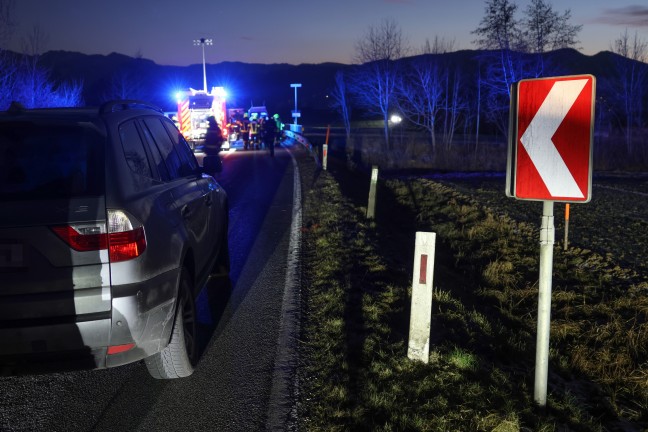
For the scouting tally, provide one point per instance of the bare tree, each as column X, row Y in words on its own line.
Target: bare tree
column 629, row 85
column 546, row 29
column 438, row 46
column 67, row 94
column 7, row 23
column 478, row 104
column 8, row 66
column 454, row 107
column 34, row 81
column 128, row 81
column 498, row 28
column 340, row 102
column 34, row 44
column 374, row 80
column 500, row 36
column 421, row 94
column 32, row 85
column 509, row 43
column 126, row 84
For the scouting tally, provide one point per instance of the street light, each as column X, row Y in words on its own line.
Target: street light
column 295, row 113
column 202, row 42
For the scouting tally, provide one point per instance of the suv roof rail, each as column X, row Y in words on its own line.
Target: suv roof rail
column 122, row 105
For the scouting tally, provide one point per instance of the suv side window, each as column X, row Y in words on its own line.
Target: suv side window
column 182, row 147
column 160, row 139
column 134, row 149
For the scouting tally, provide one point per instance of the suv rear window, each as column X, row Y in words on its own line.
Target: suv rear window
column 50, row 161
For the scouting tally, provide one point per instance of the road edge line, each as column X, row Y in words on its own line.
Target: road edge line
column 282, row 407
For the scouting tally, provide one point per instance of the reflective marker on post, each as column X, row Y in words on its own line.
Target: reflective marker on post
column 421, row 312
column 423, row 268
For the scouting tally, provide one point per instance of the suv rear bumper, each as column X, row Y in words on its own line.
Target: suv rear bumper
column 141, row 313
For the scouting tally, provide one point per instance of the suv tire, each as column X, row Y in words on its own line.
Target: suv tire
column 177, row 359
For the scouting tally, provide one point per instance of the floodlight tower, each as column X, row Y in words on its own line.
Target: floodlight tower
column 202, row 42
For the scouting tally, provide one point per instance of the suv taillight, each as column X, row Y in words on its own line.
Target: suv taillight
column 124, row 240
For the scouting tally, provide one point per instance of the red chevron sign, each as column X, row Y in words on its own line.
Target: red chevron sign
column 550, row 148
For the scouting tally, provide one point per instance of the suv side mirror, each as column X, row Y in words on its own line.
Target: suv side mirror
column 212, row 165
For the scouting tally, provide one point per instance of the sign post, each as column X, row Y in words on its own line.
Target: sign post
column 547, row 240
column 550, row 159
column 566, row 243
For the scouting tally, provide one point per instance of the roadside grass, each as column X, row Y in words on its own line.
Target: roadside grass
column 355, row 375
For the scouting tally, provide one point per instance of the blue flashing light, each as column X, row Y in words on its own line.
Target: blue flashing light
column 219, row 91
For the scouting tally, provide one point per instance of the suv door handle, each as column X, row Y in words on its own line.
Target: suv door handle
column 208, row 200
column 186, row 212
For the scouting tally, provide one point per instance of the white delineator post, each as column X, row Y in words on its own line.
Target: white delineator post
column 547, row 239
column 418, row 347
column 371, row 207
column 325, row 148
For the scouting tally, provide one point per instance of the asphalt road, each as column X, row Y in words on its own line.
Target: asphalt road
column 240, row 325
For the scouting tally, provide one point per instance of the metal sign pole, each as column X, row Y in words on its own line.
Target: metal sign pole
column 566, row 244
column 547, row 239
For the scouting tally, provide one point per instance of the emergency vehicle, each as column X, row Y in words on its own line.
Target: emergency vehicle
column 194, row 106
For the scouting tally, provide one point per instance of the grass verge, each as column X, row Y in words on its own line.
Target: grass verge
column 355, row 374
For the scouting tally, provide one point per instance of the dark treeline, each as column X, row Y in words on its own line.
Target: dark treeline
column 444, row 96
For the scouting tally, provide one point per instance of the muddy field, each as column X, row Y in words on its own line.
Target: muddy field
column 614, row 223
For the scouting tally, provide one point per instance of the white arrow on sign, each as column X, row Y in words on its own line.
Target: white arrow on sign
column 537, row 139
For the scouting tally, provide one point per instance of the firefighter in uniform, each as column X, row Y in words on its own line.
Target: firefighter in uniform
column 213, row 142
column 213, row 137
column 254, row 133
column 269, row 134
column 244, row 129
column 280, row 126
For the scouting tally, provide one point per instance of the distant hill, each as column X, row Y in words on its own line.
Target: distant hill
column 247, row 84
column 257, row 84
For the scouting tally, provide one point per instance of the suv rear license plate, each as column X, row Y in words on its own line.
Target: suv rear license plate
column 12, row 255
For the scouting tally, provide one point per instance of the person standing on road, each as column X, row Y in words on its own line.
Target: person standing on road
column 254, row 133
column 279, row 128
column 212, row 146
column 244, row 129
column 269, row 134
column 213, row 137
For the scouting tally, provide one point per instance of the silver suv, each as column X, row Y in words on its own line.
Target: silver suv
column 108, row 230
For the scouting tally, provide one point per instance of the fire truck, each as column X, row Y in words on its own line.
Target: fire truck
column 194, row 106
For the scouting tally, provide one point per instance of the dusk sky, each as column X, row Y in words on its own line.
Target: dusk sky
column 284, row 31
